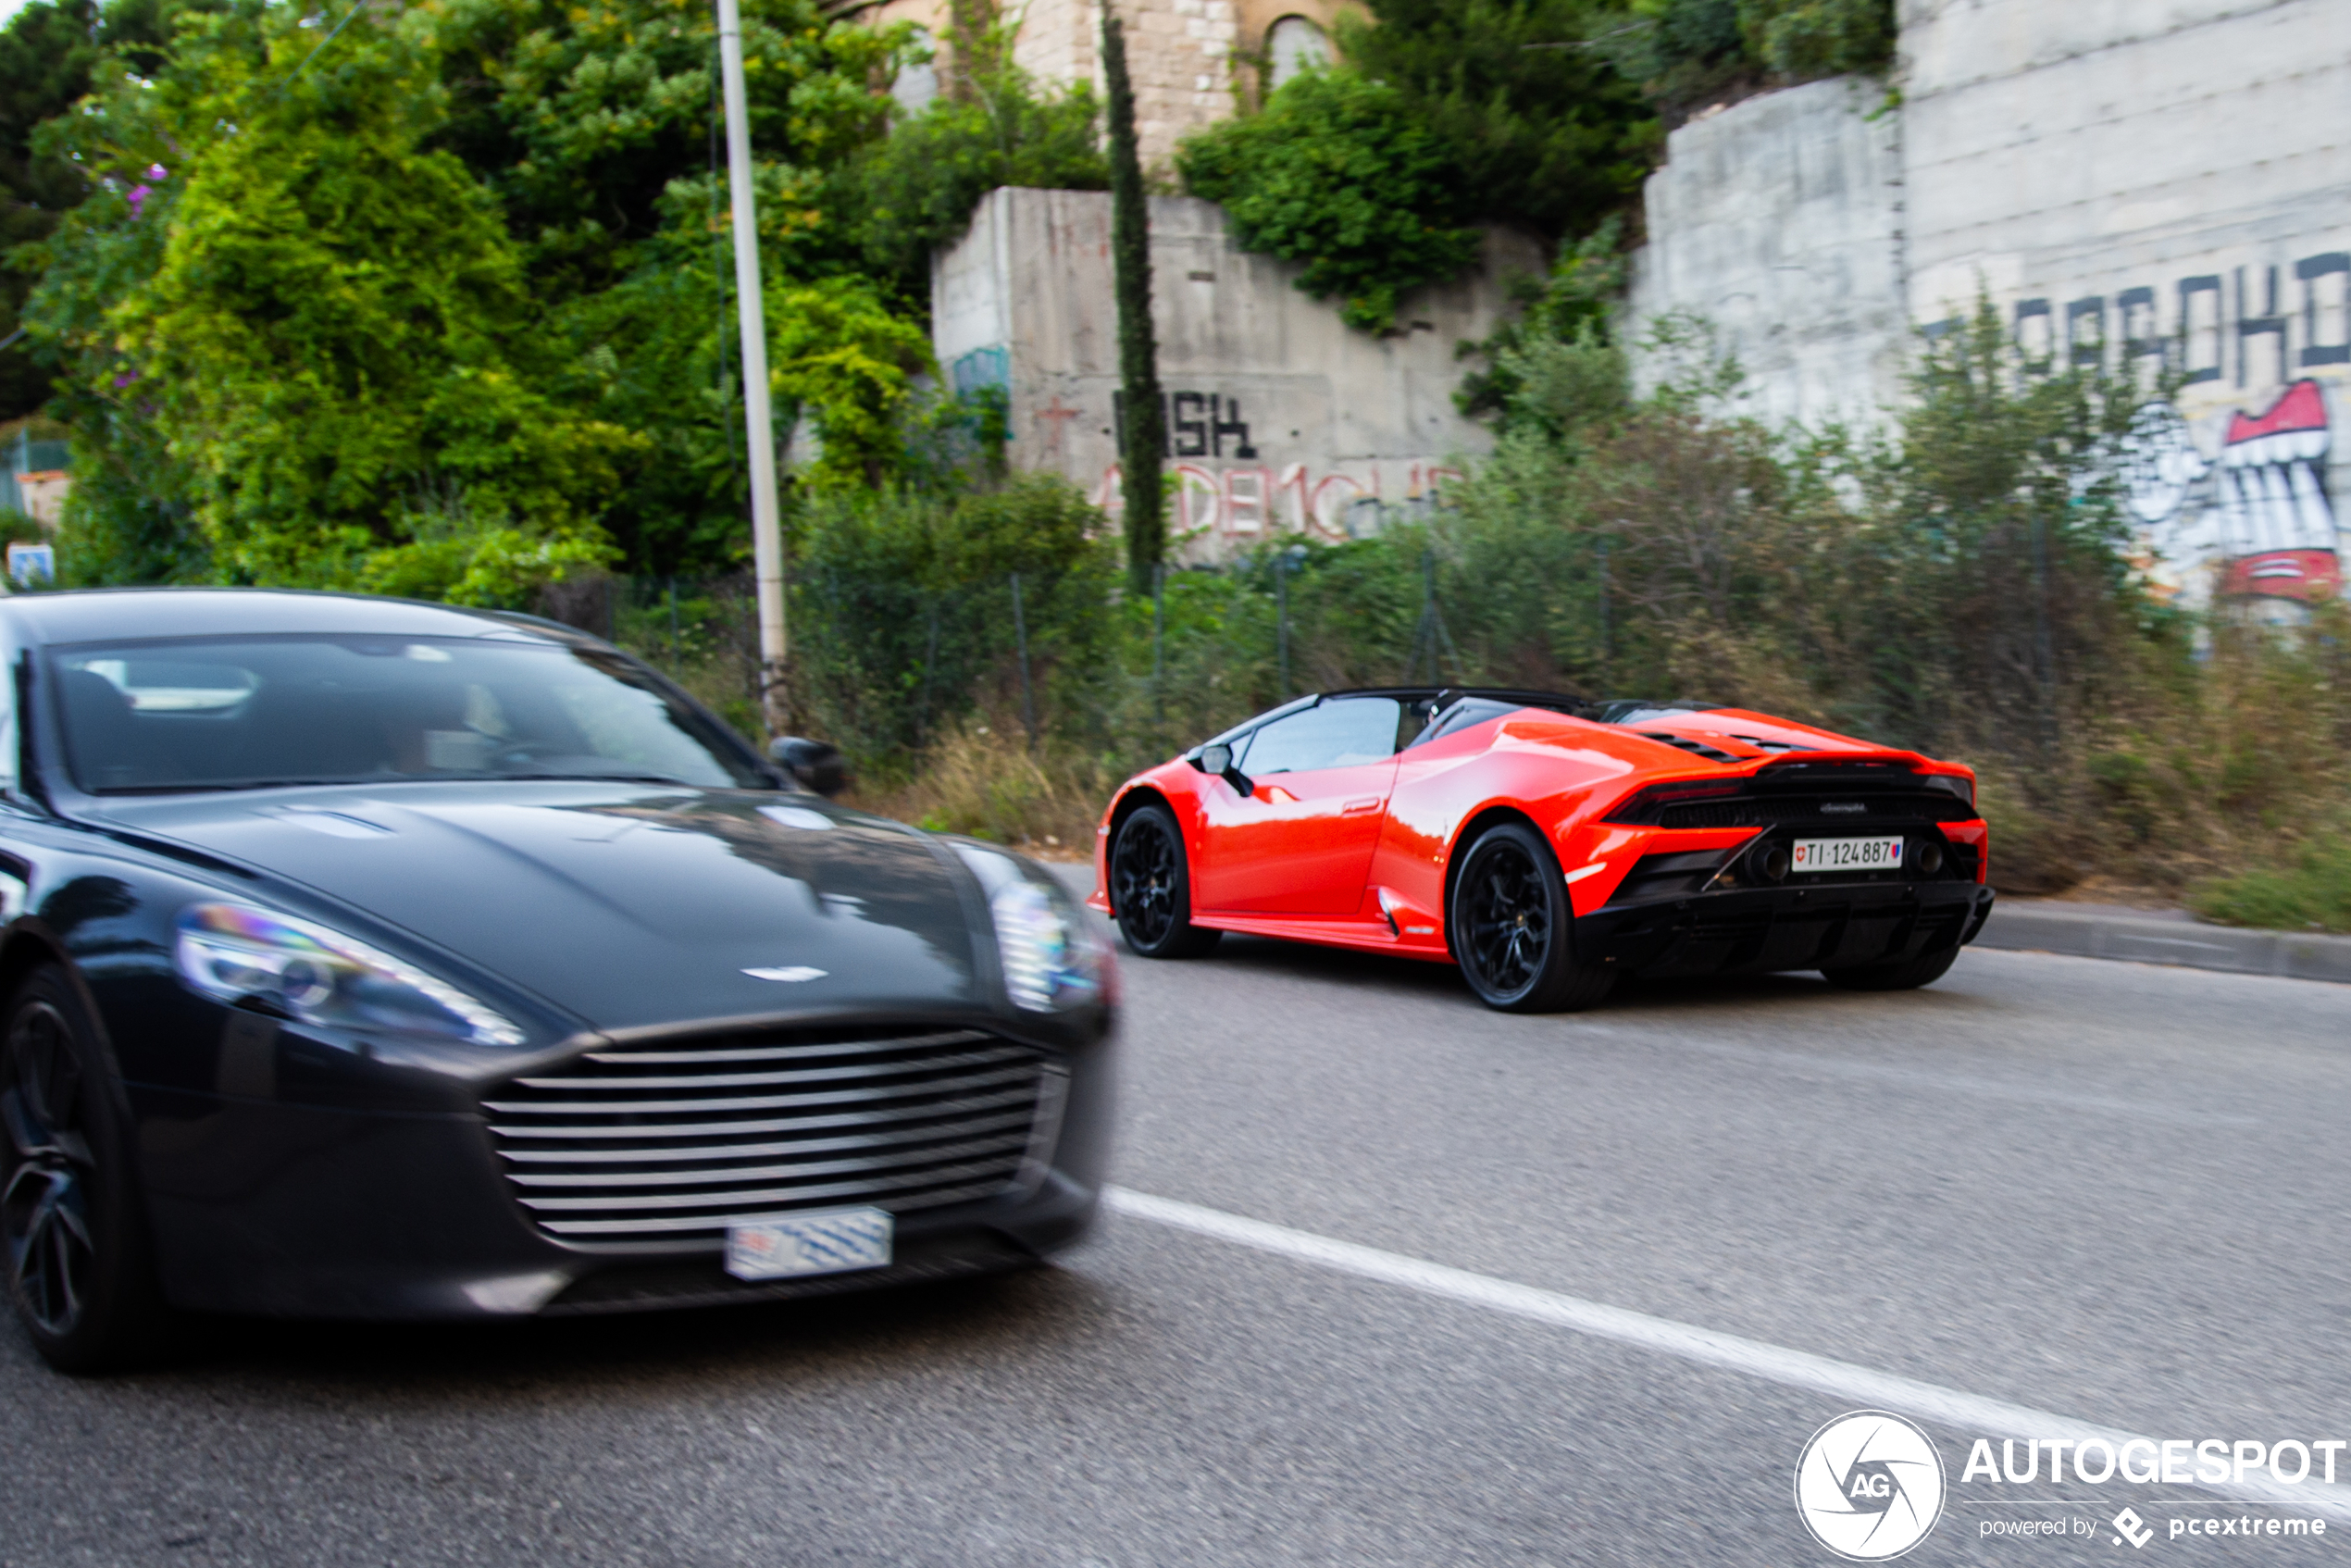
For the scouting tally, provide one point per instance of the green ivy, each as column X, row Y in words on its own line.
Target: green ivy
column 1546, row 134
column 992, row 126
column 1571, row 308
column 1338, row 173
column 1802, row 40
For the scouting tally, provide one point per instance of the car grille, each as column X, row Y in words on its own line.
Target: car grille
column 672, row 1140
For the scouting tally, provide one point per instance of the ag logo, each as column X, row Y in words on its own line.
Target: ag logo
column 1870, row 1486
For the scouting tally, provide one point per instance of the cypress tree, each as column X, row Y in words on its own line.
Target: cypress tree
column 1142, row 434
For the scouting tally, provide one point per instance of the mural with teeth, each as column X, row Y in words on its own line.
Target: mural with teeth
column 2229, row 488
column 2277, row 528
column 2260, row 511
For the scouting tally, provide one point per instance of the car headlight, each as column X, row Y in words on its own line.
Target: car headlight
column 233, row 953
column 1050, row 957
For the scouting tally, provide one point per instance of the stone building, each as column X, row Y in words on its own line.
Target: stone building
column 1188, row 58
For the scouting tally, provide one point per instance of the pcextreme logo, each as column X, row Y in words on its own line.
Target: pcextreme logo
column 1869, row 1485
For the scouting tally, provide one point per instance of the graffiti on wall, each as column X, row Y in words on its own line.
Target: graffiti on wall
column 2260, row 507
column 1227, row 497
column 2234, row 501
column 2215, row 333
column 1197, row 424
column 1222, row 509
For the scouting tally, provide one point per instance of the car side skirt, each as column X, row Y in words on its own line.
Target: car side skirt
column 1364, row 936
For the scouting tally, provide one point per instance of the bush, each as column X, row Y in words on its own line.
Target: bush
column 1561, row 336
column 988, row 783
column 904, row 619
column 2311, row 892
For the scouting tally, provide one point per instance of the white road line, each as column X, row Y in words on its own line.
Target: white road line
column 1972, row 1414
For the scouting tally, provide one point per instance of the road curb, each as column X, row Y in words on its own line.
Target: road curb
column 2152, row 938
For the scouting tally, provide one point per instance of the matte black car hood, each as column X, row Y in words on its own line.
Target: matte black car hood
column 626, row 904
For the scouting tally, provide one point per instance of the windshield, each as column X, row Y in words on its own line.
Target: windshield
column 248, row 713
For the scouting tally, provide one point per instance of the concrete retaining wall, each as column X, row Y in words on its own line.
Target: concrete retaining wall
column 1779, row 220
column 1280, row 416
column 2141, row 184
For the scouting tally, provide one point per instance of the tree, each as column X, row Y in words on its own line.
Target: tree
column 46, row 52
column 1548, row 135
column 319, row 319
column 580, row 118
column 439, row 299
column 1142, row 436
column 1800, row 40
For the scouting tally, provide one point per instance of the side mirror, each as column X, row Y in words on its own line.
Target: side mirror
column 1219, row 761
column 817, row 764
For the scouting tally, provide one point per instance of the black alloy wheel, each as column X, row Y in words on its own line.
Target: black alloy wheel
column 1509, row 927
column 1902, row 974
column 79, row 1272
column 1150, row 888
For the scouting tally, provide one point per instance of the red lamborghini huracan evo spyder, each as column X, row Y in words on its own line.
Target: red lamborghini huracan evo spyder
column 1547, row 845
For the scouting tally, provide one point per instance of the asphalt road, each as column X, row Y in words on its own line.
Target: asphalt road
column 2106, row 1192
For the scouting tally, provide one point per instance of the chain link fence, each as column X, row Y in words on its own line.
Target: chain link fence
column 1066, row 661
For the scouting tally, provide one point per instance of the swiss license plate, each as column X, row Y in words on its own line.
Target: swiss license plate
column 788, row 1245
column 1847, row 855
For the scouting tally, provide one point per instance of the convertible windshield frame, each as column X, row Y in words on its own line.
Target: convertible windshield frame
column 722, row 756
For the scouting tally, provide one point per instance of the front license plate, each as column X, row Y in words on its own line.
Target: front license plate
column 790, row 1245
column 1847, row 855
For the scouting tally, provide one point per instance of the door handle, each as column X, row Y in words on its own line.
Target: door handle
column 1369, row 802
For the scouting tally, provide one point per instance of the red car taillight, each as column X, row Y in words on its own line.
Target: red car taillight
column 1642, row 807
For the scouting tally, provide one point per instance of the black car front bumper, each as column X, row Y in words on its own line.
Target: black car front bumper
column 261, row 1204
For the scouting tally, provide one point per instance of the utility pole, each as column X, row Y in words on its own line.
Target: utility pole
column 766, row 515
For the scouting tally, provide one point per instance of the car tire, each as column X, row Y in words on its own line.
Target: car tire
column 1509, row 927
column 1904, row 974
column 80, row 1272
column 1150, row 888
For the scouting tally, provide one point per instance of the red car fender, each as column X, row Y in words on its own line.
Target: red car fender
column 1176, row 783
column 1535, row 766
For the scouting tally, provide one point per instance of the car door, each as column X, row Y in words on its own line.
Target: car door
column 1301, row 841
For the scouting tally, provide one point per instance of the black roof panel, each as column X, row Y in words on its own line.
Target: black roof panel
column 99, row 615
